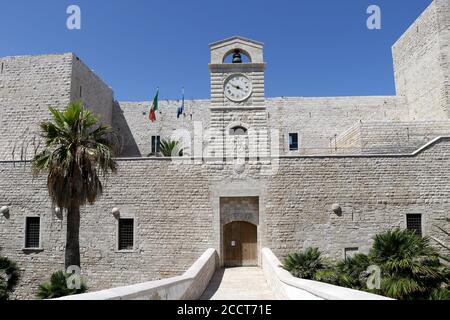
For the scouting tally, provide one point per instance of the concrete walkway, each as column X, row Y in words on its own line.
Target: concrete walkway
column 238, row 284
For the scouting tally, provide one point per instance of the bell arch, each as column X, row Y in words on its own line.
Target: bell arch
column 250, row 48
column 239, row 50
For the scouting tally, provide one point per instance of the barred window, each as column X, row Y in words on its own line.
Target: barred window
column 32, row 232
column 126, row 234
column 414, row 223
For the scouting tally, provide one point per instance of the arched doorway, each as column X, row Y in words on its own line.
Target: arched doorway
column 240, row 244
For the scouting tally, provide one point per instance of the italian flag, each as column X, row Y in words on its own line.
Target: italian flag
column 154, row 107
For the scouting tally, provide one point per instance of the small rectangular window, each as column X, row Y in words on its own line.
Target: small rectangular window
column 156, row 143
column 32, row 232
column 126, row 234
column 414, row 223
column 350, row 252
column 293, row 141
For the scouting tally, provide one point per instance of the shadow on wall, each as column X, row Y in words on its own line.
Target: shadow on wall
column 214, row 285
column 129, row 146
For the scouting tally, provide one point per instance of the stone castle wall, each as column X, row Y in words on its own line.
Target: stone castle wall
column 96, row 95
column 375, row 194
column 173, row 210
column 29, row 85
column 175, row 206
column 421, row 63
column 319, row 120
column 131, row 120
column 377, row 137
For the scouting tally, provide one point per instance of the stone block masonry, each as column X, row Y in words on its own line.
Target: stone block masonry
column 374, row 192
column 93, row 91
column 386, row 137
column 318, row 121
column 421, row 63
column 131, row 120
column 179, row 208
column 29, row 85
column 172, row 208
column 172, row 219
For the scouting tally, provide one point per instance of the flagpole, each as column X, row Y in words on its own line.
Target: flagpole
column 183, row 113
column 190, row 109
column 159, row 123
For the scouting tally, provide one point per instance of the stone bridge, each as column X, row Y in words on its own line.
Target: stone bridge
column 206, row 281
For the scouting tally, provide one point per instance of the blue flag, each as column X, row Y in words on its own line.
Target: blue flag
column 180, row 110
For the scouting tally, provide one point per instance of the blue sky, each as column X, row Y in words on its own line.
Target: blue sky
column 313, row 48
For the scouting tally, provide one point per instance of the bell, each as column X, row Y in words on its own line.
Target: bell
column 237, row 58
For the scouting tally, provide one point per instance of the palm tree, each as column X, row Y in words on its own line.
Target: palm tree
column 171, row 148
column 353, row 271
column 77, row 151
column 304, row 264
column 410, row 266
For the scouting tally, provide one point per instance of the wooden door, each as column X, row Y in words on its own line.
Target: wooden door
column 240, row 244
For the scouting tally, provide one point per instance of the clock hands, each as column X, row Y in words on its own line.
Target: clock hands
column 237, row 87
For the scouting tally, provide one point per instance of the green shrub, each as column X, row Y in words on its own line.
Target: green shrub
column 171, row 148
column 353, row 271
column 410, row 266
column 440, row 294
column 57, row 287
column 4, row 295
column 304, row 264
column 329, row 275
column 9, row 277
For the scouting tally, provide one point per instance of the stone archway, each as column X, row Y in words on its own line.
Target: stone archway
column 240, row 231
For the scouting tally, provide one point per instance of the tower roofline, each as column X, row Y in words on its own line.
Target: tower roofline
column 233, row 39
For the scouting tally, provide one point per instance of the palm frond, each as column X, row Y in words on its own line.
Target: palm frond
column 170, row 148
column 304, row 264
column 57, row 287
column 77, row 150
column 410, row 265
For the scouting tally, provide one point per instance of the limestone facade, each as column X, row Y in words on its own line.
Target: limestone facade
column 371, row 156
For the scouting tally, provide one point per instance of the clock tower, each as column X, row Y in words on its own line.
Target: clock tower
column 238, row 122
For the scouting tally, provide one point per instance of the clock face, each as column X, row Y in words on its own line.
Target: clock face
column 238, row 88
